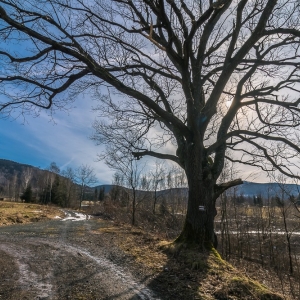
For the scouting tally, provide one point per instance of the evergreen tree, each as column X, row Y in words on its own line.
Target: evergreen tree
column 258, row 201
column 59, row 194
column 101, row 194
column 27, row 195
column 95, row 194
column 279, row 202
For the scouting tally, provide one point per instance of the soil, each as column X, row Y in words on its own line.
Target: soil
column 64, row 260
column 99, row 259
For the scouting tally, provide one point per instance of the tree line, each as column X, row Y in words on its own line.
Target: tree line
column 66, row 188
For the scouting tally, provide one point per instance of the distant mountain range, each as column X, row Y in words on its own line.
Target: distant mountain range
column 251, row 189
column 248, row 189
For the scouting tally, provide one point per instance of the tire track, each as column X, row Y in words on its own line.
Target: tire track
column 40, row 286
column 52, row 266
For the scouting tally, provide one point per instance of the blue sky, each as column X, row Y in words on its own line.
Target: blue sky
column 63, row 139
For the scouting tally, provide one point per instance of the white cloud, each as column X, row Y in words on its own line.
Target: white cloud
column 63, row 139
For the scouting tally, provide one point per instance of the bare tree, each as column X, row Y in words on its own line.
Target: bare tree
column 286, row 205
column 85, row 176
column 70, row 176
column 14, row 186
column 26, row 177
column 127, row 168
column 157, row 180
column 205, row 76
column 53, row 170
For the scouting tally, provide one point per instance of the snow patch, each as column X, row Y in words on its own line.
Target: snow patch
column 75, row 216
column 279, row 232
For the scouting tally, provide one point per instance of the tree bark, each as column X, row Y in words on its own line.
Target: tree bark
column 133, row 206
column 199, row 223
column 155, row 200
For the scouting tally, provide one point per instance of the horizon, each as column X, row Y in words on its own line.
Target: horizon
column 110, row 183
column 63, row 137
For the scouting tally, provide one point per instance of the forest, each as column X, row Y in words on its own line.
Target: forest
column 66, row 188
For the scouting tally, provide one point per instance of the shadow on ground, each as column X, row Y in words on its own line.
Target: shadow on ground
column 184, row 273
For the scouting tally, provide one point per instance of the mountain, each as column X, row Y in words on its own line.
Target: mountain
column 13, row 174
column 11, row 167
column 247, row 189
column 265, row 190
column 107, row 187
column 10, row 170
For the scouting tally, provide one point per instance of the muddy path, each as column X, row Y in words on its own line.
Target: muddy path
column 65, row 259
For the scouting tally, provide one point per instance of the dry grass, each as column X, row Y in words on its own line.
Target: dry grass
column 175, row 270
column 13, row 212
column 186, row 273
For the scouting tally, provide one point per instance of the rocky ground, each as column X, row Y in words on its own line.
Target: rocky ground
column 83, row 258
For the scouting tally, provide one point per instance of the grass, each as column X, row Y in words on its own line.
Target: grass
column 13, row 212
column 185, row 273
column 177, row 271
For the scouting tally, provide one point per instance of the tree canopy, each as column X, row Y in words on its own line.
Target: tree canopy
column 205, row 76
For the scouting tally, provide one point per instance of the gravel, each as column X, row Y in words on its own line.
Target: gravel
column 66, row 260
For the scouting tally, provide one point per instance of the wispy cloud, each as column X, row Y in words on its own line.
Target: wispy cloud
column 63, row 139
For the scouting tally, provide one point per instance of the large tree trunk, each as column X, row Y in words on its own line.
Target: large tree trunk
column 201, row 211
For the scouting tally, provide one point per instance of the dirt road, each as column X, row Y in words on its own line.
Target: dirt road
column 65, row 259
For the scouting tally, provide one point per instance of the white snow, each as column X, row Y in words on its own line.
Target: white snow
column 77, row 217
column 266, row 232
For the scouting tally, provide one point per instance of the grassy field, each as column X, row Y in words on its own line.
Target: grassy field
column 13, row 212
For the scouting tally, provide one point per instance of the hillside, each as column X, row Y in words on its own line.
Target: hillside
column 20, row 175
column 15, row 177
column 11, row 167
column 247, row 189
column 45, row 186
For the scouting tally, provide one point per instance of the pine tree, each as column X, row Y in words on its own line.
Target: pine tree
column 59, row 193
column 27, row 195
column 101, row 194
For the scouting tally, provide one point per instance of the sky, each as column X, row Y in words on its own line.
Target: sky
column 63, row 139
